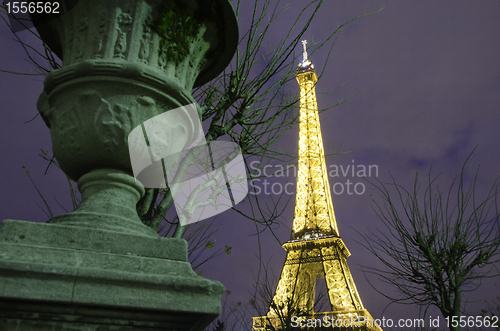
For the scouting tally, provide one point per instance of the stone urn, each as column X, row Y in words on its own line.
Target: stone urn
column 124, row 62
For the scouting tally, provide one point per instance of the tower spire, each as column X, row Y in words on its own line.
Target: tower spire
column 315, row 249
column 305, row 64
column 304, row 53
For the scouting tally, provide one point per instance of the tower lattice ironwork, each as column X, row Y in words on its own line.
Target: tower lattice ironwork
column 315, row 249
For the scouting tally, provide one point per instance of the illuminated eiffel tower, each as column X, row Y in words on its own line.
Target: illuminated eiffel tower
column 315, row 249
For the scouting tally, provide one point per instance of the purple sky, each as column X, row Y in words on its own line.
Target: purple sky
column 430, row 72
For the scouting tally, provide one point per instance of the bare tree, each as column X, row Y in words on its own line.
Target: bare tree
column 283, row 315
column 438, row 244
column 239, row 316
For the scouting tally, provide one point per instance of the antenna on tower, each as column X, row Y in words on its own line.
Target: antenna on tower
column 304, row 53
column 305, row 61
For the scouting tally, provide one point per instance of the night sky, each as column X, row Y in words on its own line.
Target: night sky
column 430, row 73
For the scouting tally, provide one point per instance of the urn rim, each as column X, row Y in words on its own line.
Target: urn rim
column 211, row 69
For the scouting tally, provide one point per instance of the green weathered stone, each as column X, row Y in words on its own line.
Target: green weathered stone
column 97, row 275
column 99, row 267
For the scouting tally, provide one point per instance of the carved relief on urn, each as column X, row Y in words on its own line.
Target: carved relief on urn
column 123, row 63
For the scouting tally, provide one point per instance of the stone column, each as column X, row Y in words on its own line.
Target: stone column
column 99, row 267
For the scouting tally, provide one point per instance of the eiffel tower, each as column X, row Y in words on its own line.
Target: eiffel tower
column 315, row 249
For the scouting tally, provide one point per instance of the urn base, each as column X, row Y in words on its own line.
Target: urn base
column 58, row 277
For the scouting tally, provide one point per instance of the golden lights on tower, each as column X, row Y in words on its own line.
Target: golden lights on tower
column 315, row 249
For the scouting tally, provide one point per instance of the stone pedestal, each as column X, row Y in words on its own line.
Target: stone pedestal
column 58, row 277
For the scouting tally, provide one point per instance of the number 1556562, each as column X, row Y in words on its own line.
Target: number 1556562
column 32, row 7
column 472, row 321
